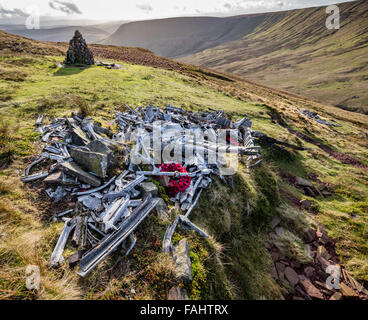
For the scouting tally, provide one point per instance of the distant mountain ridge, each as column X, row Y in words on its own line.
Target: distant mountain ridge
column 60, row 34
column 177, row 37
column 63, row 30
column 295, row 51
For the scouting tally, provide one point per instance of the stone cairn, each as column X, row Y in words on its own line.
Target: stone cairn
column 78, row 52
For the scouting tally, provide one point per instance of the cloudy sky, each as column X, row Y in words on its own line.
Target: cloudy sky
column 150, row 9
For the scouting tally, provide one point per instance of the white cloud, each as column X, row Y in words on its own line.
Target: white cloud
column 152, row 9
column 145, row 7
column 67, row 7
column 9, row 13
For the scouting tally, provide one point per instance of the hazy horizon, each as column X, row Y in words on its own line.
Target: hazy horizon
column 85, row 11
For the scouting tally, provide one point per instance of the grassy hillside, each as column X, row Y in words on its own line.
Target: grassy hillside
column 234, row 262
column 295, row 51
column 177, row 37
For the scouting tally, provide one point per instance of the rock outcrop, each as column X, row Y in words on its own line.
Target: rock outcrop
column 308, row 280
column 183, row 265
column 74, row 170
column 149, row 188
column 92, row 161
column 177, row 293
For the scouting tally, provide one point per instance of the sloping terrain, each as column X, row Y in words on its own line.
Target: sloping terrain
column 110, row 27
column 60, row 34
column 176, row 37
column 294, row 51
column 12, row 43
column 239, row 259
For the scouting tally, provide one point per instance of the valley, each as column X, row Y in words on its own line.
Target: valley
column 253, row 226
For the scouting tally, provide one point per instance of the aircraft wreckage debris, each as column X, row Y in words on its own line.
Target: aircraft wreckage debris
column 79, row 160
column 317, row 118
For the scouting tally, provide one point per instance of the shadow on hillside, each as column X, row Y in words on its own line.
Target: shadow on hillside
column 70, row 70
